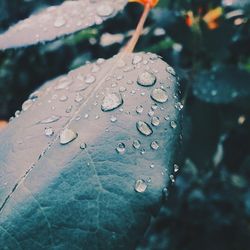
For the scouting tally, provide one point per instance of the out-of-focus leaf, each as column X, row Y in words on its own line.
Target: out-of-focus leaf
column 100, row 189
column 55, row 21
column 223, row 85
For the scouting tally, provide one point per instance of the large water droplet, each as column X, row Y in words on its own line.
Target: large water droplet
column 111, row 101
column 121, row 148
column 159, row 95
column 136, row 144
column 67, row 135
column 104, row 10
column 173, row 124
column 50, row 119
column 170, row 70
column 144, row 128
column 140, row 186
column 146, row 79
column 26, row 105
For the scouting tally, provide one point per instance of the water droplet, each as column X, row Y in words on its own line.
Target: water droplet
column 146, row 79
column 26, row 105
column 104, row 10
column 113, row 119
column 69, row 109
column 151, row 113
column 95, row 68
column 154, row 106
column 144, row 128
column 176, row 168
column 152, row 166
column 170, row 70
column 136, row 59
column 78, row 97
column 17, row 113
column 50, row 119
column 136, row 144
column 48, row 131
column 63, row 83
column 83, row 145
column 165, row 192
column 155, row 121
column 122, row 89
column 121, row 148
column 59, row 22
column 154, row 145
column 140, row 186
column 67, row 135
column 173, row 124
column 111, row 101
column 143, row 151
column 86, row 116
column 179, row 106
column 139, row 109
column 89, row 79
column 63, row 98
column 159, row 95
column 171, row 177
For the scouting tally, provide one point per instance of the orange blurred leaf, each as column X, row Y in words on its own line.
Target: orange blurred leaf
column 152, row 3
column 3, row 124
column 211, row 17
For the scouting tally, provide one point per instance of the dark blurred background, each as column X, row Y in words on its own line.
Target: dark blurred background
column 208, row 43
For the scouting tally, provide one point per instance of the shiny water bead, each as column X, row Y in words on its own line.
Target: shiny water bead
column 155, row 121
column 111, row 101
column 121, row 148
column 89, row 79
column 78, row 98
column 154, row 145
column 122, row 89
column 113, row 119
column 83, row 145
column 48, row 131
column 139, row 109
column 146, row 79
column 136, row 59
column 159, row 95
column 170, row 70
column 67, row 135
column 26, row 105
column 136, row 144
column 59, row 22
column 171, row 177
column 144, row 128
column 63, row 98
column 69, row 109
column 173, row 124
column 179, row 106
column 63, row 83
column 104, row 9
column 176, row 168
column 140, row 186
column 151, row 113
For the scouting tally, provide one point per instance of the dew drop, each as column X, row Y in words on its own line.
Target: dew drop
column 122, row 89
column 83, row 145
column 136, row 59
column 63, row 98
column 170, row 70
column 113, row 119
column 159, row 95
column 172, row 179
column 146, row 79
column 50, row 119
column 155, row 121
column 144, row 128
column 139, row 109
column 48, row 131
column 173, row 124
column 154, row 145
column 176, row 168
column 179, row 106
column 26, row 105
column 89, row 79
column 140, row 186
column 104, row 10
column 59, row 22
column 111, row 101
column 136, row 144
column 121, row 148
column 69, row 109
column 67, row 135
column 78, row 98
column 63, row 83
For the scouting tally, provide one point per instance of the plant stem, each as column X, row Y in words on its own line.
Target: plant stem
column 134, row 39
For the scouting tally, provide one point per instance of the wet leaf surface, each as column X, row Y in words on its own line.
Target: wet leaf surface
column 56, row 21
column 76, row 176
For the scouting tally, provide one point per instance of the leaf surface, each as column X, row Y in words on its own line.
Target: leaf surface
column 100, row 189
column 56, row 21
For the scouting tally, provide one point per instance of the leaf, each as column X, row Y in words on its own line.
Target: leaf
column 223, row 85
column 56, row 21
column 100, row 188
